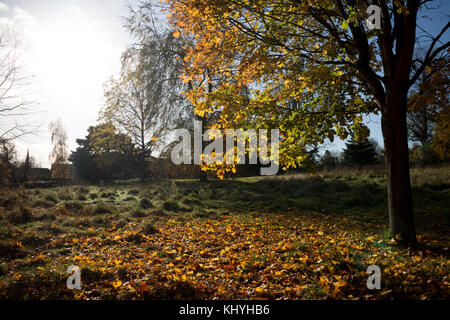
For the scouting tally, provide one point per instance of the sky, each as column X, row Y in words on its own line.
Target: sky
column 72, row 47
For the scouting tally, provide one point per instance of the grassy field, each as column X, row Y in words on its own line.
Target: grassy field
column 288, row 237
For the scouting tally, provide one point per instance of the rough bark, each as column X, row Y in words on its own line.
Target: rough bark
column 395, row 134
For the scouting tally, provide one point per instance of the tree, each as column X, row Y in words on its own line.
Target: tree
column 26, row 167
column 169, row 49
column 141, row 102
column 428, row 102
column 360, row 153
column 8, row 161
column 83, row 160
column 323, row 54
column 105, row 154
column 60, row 151
column 14, row 85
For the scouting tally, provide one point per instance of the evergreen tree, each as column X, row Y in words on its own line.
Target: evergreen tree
column 26, row 167
column 360, row 153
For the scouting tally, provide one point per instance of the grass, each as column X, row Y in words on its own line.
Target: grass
column 284, row 237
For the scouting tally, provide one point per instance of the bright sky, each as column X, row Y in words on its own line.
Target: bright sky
column 73, row 46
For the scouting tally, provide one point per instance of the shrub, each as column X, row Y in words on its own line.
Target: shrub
column 93, row 196
column 146, row 203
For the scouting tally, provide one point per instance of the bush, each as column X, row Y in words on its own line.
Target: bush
column 146, row 203
column 93, row 196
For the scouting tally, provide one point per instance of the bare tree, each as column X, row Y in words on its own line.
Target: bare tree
column 15, row 107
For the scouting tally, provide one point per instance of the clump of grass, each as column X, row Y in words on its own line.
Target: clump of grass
column 8, row 201
column 200, row 213
column 135, row 238
column 108, row 195
column 83, row 190
column 102, row 208
column 146, row 203
column 191, row 199
column 149, row 229
column 171, row 205
column 73, row 205
column 11, row 250
column 129, row 199
column 93, row 196
column 42, row 203
column 203, row 194
column 64, row 195
column 138, row 213
column 51, row 197
column 82, row 197
column 158, row 212
column 3, row 269
column 44, row 215
column 133, row 192
column 21, row 214
column 425, row 177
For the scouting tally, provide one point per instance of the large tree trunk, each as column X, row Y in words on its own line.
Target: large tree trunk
column 202, row 174
column 401, row 218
